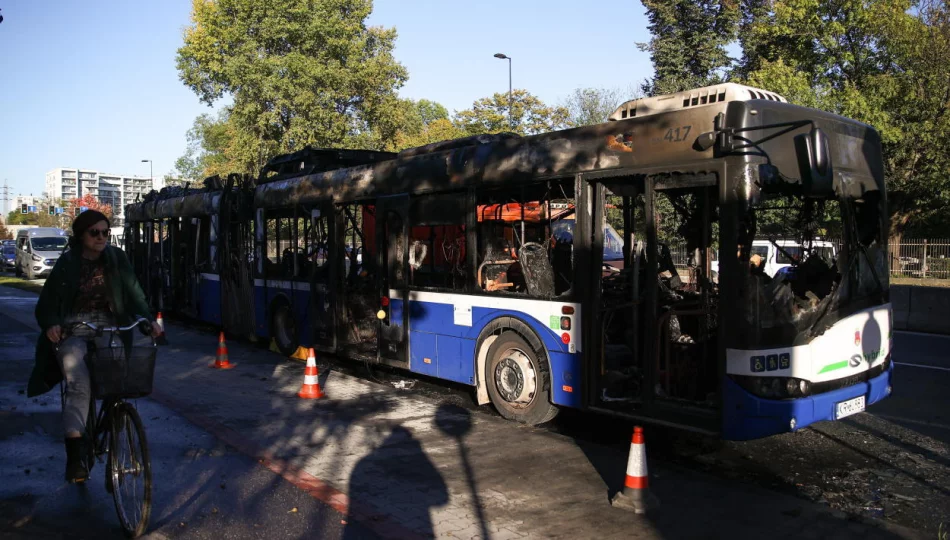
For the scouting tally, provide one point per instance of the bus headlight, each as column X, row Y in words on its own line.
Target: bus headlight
column 774, row 387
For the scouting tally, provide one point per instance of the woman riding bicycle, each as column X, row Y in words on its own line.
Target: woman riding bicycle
column 91, row 282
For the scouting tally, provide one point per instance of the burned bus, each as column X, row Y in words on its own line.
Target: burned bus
column 540, row 270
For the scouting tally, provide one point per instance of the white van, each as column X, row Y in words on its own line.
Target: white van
column 776, row 260
column 38, row 249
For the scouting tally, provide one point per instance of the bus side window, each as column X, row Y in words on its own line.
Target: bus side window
column 437, row 250
column 525, row 243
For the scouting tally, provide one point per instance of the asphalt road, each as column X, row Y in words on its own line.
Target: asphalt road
column 202, row 488
column 891, row 463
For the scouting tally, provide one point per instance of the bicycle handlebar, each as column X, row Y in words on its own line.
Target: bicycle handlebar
column 113, row 329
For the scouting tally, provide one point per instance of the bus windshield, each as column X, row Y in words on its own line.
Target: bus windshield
column 820, row 286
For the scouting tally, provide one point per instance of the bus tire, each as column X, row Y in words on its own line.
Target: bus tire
column 283, row 328
column 518, row 381
column 17, row 271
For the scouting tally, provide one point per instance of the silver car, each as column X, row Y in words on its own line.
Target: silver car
column 37, row 250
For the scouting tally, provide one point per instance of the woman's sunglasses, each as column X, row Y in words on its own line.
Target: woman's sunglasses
column 96, row 233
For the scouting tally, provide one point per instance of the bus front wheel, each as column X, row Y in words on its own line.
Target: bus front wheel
column 518, row 381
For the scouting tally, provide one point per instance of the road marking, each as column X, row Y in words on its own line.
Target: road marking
column 922, row 366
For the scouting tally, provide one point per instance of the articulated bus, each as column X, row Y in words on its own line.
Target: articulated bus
column 537, row 269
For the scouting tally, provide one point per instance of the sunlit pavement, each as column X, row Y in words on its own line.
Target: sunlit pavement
column 367, row 460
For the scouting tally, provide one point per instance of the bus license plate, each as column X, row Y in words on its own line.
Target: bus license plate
column 847, row 408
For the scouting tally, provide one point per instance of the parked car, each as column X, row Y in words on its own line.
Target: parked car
column 8, row 256
column 776, row 260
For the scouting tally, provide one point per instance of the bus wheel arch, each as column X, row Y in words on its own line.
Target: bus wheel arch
column 511, row 363
column 284, row 327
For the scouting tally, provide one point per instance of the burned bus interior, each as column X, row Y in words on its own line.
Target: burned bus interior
column 658, row 303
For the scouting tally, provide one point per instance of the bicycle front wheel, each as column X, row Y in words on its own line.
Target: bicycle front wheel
column 130, row 470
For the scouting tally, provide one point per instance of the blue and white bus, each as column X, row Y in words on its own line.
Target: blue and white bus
column 538, row 271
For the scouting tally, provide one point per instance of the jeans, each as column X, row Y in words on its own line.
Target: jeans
column 72, row 360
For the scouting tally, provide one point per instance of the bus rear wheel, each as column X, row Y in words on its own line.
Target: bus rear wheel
column 518, row 381
column 284, row 329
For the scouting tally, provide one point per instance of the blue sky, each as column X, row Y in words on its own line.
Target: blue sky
column 94, row 84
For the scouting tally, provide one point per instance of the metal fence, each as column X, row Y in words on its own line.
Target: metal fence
column 923, row 258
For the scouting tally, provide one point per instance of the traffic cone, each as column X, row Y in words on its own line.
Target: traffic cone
column 636, row 494
column 161, row 340
column 221, row 360
column 311, row 383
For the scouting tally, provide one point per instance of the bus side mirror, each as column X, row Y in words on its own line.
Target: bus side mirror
column 814, row 163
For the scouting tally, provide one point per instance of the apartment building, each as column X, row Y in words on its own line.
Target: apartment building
column 115, row 190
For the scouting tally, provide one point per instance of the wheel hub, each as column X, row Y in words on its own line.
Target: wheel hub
column 515, row 378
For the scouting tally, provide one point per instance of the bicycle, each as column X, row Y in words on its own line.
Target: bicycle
column 115, row 433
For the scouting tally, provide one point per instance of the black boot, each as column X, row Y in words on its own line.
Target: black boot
column 76, row 460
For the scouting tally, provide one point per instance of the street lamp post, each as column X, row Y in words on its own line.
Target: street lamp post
column 511, row 121
column 151, row 178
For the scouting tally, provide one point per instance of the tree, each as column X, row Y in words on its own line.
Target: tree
column 170, row 180
column 300, row 72
column 4, row 233
column 423, row 122
column 883, row 62
column 212, row 149
column 90, row 202
column 688, row 47
column 530, row 115
column 588, row 106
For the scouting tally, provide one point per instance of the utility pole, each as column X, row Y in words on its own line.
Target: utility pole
column 5, row 197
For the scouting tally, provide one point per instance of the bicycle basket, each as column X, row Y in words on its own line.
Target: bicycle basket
column 120, row 372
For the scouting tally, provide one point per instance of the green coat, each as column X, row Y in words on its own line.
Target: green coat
column 59, row 296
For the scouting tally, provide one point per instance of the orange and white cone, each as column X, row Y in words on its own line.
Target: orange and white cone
column 161, row 340
column 636, row 494
column 221, row 359
column 311, row 379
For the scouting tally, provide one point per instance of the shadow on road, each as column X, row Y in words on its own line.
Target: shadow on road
column 399, row 477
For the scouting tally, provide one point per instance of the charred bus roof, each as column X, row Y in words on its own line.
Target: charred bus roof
column 314, row 160
column 184, row 201
column 659, row 133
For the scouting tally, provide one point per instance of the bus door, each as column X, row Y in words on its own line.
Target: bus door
column 355, row 259
column 652, row 351
column 391, row 219
column 321, row 252
column 192, row 256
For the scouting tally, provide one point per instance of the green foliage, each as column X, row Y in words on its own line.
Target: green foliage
column 212, row 149
column 588, row 106
column 883, row 62
column 16, row 218
column 4, row 233
column 300, row 72
column 529, row 115
column 422, row 122
column 688, row 48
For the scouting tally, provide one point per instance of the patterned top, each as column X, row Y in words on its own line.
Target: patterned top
column 93, row 290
